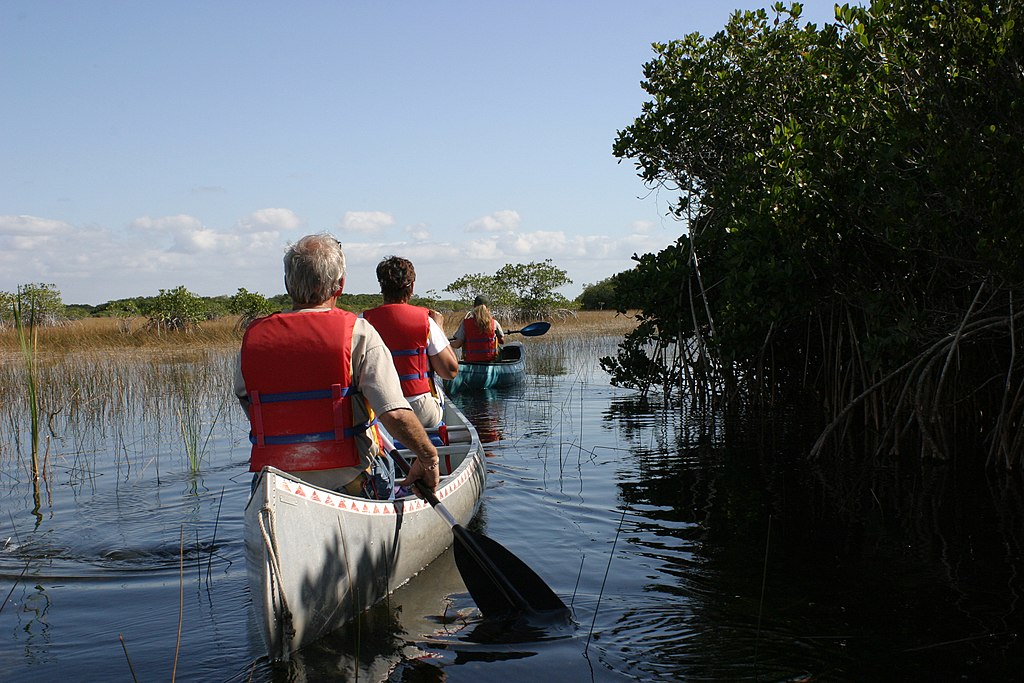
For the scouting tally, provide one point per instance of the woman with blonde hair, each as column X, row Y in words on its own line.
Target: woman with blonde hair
column 479, row 335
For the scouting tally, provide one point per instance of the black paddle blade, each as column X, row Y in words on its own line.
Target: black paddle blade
column 500, row 583
column 533, row 329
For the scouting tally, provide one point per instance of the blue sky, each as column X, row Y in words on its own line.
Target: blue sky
column 149, row 145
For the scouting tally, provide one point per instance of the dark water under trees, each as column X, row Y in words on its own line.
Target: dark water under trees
column 689, row 548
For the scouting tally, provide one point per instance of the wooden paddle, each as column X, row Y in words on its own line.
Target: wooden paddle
column 500, row 583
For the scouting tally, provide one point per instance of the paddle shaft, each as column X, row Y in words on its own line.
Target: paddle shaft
column 531, row 330
column 480, row 558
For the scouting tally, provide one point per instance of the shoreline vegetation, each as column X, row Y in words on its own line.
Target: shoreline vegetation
column 131, row 334
column 114, row 374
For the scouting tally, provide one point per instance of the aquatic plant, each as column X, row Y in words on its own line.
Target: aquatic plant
column 28, row 342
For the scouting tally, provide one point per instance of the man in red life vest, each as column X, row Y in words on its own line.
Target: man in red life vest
column 313, row 379
column 479, row 334
column 418, row 343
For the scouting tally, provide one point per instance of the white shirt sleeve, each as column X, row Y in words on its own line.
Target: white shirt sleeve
column 438, row 340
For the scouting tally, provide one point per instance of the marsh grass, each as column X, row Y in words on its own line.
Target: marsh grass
column 114, row 333
column 97, row 385
column 28, row 343
column 117, row 333
column 129, row 403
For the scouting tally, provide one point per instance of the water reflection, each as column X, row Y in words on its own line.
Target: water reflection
column 843, row 570
column 689, row 546
column 427, row 626
column 486, row 408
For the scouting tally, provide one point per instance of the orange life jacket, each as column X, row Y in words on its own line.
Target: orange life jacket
column 480, row 346
column 406, row 330
column 298, row 375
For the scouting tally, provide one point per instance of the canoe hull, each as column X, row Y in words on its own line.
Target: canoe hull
column 510, row 370
column 317, row 558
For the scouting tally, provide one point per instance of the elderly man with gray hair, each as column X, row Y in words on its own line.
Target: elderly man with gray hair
column 313, row 381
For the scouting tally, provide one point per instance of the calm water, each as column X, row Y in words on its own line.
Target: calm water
column 689, row 548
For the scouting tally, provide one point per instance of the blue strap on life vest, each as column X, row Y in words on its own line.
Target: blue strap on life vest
column 336, row 393
column 415, row 375
column 348, row 433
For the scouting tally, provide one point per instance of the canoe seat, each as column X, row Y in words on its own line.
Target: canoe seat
column 438, row 436
column 511, row 352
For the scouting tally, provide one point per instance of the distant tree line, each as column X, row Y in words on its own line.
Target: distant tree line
column 517, row 291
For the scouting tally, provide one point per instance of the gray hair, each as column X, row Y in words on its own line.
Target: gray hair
column 313, row 269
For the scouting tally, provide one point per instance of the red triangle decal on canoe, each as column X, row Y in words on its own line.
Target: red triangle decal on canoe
column 315, row 497
column 299, row 491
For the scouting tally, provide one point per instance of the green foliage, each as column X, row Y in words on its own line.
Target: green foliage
column 467, row 287
column 359, row 302
column 176, row 310
column 250, row 305
column 521, row 291
column 533, row 286
column 123, row 308
column 598, row 296
column 39, row 303
column 851, row 193
column 609, row 293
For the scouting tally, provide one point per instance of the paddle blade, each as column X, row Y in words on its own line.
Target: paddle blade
column 533, row 329
column 500, row 583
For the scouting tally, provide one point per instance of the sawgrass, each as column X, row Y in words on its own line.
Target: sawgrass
column 94, row 379
column 115, row 333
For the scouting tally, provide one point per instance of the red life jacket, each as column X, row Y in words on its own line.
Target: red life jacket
column 480, row 346
column 298, row 375
column 406, row 329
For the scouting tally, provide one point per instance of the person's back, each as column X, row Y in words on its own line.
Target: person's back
column 406, row 331
column 479, row 335
column 418, row 344
column 297, row 369
column 316, row 380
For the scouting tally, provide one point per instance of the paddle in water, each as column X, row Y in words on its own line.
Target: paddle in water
column 500, row 583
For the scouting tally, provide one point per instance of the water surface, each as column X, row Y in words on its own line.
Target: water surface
column 690, row 547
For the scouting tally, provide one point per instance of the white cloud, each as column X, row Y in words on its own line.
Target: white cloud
column 641, row 227
column 270, row 220
column 189, row 235
column 170, row 224
column 92, row 264
column 369, row 222
column 418, row 232
column 32, row 226
column 507, row 220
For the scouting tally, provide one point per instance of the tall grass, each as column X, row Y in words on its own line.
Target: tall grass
column 28, row 341
column 113, row 333
column 95, row 382
column 193, row 402
column 132, row 404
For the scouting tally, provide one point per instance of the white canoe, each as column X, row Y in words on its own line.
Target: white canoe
column 317, row 558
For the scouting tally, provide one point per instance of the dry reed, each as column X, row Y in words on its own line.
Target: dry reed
column 578, row 325
column 114, row 333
